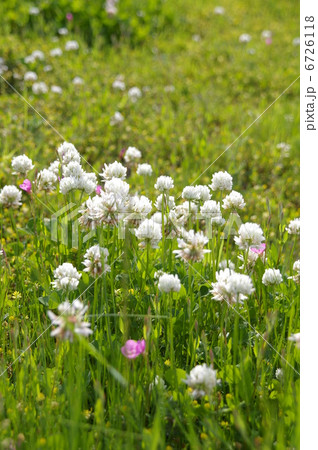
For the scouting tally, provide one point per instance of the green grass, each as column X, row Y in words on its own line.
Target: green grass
column 85, row 394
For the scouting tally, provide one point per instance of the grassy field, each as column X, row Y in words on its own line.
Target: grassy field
column 202, row 92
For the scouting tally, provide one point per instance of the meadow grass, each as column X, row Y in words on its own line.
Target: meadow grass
column 85, row 394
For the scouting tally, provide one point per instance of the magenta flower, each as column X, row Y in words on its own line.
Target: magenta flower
column 259, row 250
column 132, row 348
column 268, row 41
column 26, row 185
column 122, row 153
column 69, row 16
column 98, row 189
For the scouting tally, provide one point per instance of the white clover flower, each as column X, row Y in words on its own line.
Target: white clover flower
column 71, row 45
column 56, row 52
column 140, row 205
column 119, row 84
column 88, row 182
column 158, row 382
column 168, row 202
column 202, row 192
column 68, row 184
column 149, row 232
column 190, row 193
column 296, row 41
column 47, row 68
column 295, row 338
column 38, row 54
column 78, row 81
column 39, row 88
column 211, row 210
column 104, row 210
column 95, row 260
column 70, row 321
column 114, row 170
column 279, row 374
column 250, row 235
column 145, row 170
column 245, row 38
column 56, row 89
column 221, row 181
column 231, row 287
column 116, row 119
column 202, row 380
column 266, row 34
column 272, row 276
column 55, row 167
column 234, row 201
column 219, row 10
column 34, row 11
column 181, row 213
column 68, row 153
column 284, row 148
column 296, row 268
column 293, row 227
column 164, row 183
column 21, row 164
column 117, row 187
column 90, row 211
column 132, row 154
column 134, row 94
column 10, row 197
column 30, row 76
column 46, row 180
column 111, row 8
column 29, row 59
column 169, row 283
column 169, row 88
column 66, row 277
column 226, row 264
column 73, row 169
column 191, row 246
column 157, row 217
column 62, row 31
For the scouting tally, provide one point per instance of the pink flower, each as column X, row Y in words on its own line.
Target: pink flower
column 98, row 189
column 26, row 185
column 122, row 153
column 268, row 41
column 132, row 348
column 259, row 250
column 69, row 16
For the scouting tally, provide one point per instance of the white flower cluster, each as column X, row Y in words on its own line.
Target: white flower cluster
column 46, row 180
column 70, row 321
column 271, row 277
column 191, row 246
column 294, row 226
column 164, row 183
column 202, row 380
column 234, row 201
column 221, row 181
column 10, row 197
column 39, row 87
column 114, row 170
column 231, row 287
column 66, row 277
column 132, row 154
column 21, row 165
column 95, row 261
column 169, row 283
column 145, row 170
column 250, row 234
column 134, row 94
column 211, row 210
column 296, row 268
column 196, row 193
column 149, row 232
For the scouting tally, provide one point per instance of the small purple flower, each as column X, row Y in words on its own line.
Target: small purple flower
column 122, row 153
column 26, row 185
column 69, row 16
column 132, row 348
column 98, row 189
column 268, row 41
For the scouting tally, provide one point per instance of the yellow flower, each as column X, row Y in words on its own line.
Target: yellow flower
column 204, row 436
